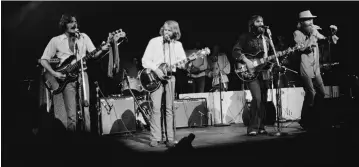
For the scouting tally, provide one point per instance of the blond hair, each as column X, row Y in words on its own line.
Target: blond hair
column 174, row 28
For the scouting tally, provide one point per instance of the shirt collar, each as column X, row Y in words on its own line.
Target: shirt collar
column 63, row 37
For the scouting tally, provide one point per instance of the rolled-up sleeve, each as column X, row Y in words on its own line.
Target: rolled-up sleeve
column 88, row 42
column 50, row 50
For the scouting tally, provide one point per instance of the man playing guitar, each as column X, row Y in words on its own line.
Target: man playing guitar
column 164, row 49
column 70, row 42
column 253, row 42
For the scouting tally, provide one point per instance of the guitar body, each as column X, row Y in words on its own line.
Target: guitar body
column 149, row 80
column 71, row 65
column 55, row 85
column 246, row 74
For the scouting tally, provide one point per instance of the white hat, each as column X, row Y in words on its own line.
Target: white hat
column 306, row 15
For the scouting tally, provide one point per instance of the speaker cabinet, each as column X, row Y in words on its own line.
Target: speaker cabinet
column 191, row 112
column 117, row 115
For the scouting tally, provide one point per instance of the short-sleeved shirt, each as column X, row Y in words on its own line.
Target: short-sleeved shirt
column 59, row 46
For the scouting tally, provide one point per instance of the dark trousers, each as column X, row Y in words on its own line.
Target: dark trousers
column 257, row 113
column 198, row 85
column 314, row 95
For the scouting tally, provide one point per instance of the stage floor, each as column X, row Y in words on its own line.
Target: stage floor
column 207, row 136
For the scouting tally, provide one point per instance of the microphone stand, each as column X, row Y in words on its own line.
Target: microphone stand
column 278, row 90
column 82, row 89
column 107, row 106
column 220, row 96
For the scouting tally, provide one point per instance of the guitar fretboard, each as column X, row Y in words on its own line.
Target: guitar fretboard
column 279, row 54
column 78, row 63
column 184, row 60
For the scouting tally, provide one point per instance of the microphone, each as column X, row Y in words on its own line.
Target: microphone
column 316, row 27
column 265, row 27
column 166, row 39
column 77, row 32
column 267, row 30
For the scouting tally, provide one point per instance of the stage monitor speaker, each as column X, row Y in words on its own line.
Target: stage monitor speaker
column 191, row 112
column 117, row 115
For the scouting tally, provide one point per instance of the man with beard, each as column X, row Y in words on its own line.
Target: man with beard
column 307, row 34
column 253, row 42
column 70, row 42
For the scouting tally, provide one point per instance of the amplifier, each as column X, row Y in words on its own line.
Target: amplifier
column 117, row 115
column 191, row 112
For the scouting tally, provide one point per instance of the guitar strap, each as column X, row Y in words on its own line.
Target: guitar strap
column 265, row 49
column 265, row 74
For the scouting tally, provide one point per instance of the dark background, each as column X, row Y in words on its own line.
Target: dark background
column 27, row 27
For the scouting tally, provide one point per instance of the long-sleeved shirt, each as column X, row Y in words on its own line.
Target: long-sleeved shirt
column 157, row 53
column 59, row 46
column 222, row 66
column 309, row 65
column 249, row 43
column 200, row 63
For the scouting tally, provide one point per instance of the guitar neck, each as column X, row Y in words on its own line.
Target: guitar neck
column 279, row 54
column 84, row 59
column 179, row 63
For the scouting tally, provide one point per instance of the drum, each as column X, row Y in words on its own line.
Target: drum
column 133, row 85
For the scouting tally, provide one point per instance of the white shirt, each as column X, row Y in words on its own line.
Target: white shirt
column 157, row 53
column 59, row 46
column 224, row 66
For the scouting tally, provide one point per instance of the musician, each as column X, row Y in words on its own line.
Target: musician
column 253, row 42
column 63, row 46
column 307, row 33
column 219, row 66
column 197, row 71
column 164, row 49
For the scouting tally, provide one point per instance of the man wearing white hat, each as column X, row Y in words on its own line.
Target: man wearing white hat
column 307, row 34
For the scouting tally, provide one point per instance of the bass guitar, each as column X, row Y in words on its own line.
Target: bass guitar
column 249, row 74
column 151, row 82
column 70, row 67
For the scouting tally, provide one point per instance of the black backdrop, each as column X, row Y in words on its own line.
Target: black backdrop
column 28, row 27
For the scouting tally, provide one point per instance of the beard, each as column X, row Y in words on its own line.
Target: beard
column 257, row 30
column 308, row 29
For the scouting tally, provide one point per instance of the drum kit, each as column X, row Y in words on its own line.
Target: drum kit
column 131, row 86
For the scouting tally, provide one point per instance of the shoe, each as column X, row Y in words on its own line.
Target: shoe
column 252, row 133
column 262, row 132
column 154, row 143
column 170, row 144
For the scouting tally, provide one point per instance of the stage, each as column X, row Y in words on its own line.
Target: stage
column 206, row 137
column 211, row 146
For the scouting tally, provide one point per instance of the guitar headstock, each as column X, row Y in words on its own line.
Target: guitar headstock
column 116, row 35
column 200, row 53
column 296, row 47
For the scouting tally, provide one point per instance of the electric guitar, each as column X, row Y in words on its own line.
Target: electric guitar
column 70, row 67
column 151, row 82
column 249, row 74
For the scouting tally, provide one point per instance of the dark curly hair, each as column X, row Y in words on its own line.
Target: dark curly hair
column 252, row 20
column 65, row 19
